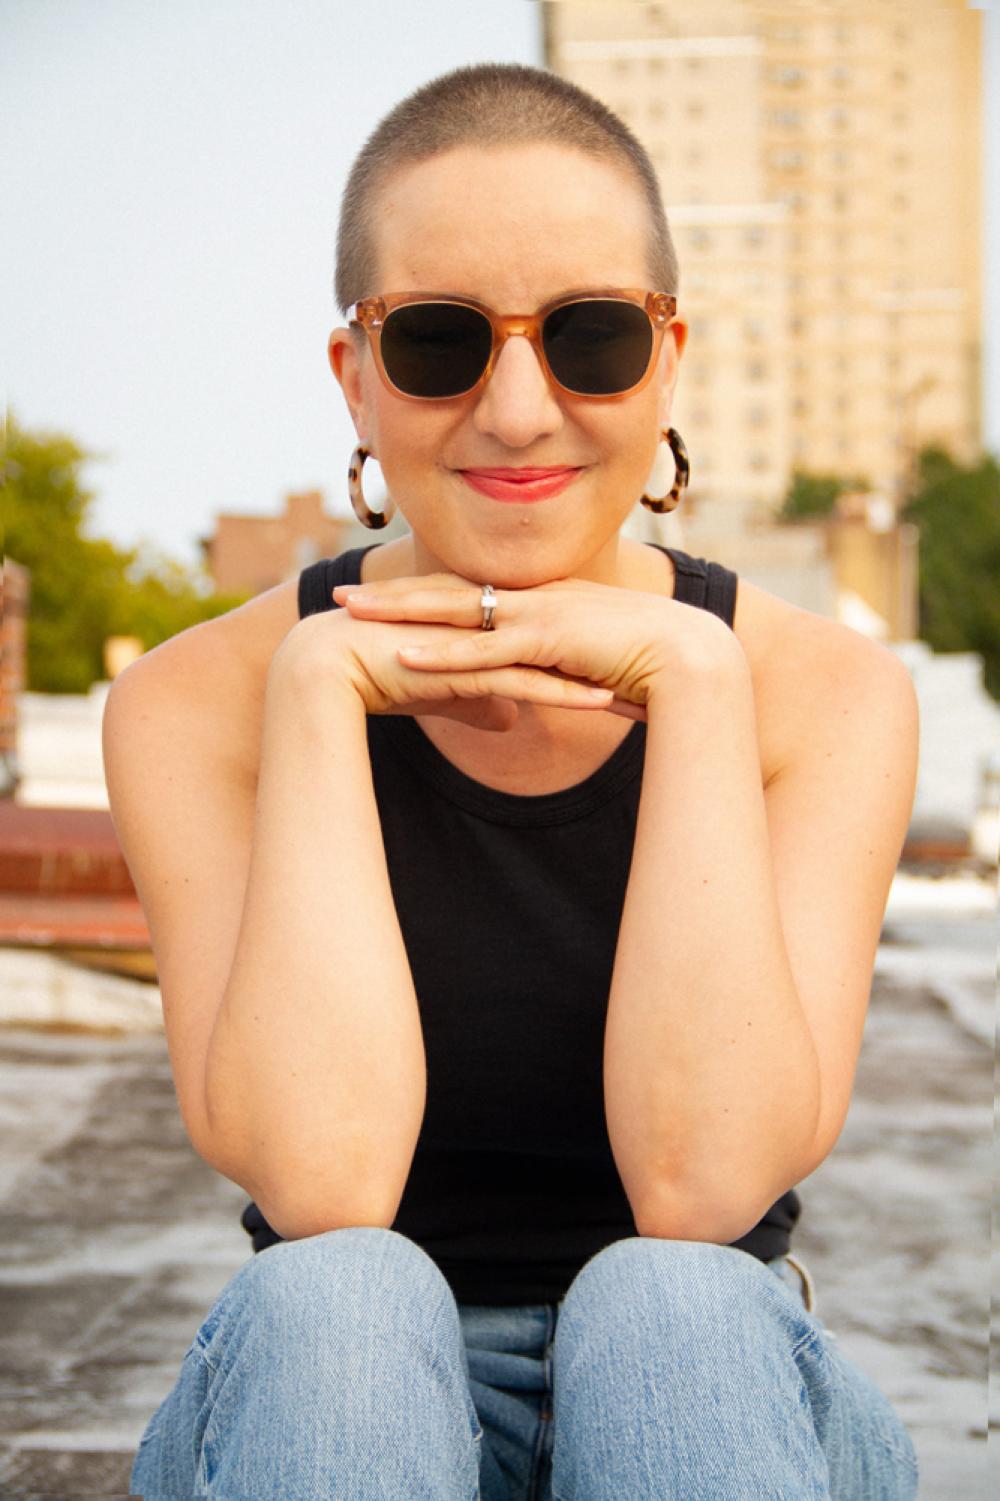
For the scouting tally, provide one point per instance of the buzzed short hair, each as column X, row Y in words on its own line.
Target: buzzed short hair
column 488, row 104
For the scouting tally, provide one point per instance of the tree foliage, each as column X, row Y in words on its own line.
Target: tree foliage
column 958, row 512
column 84, row 589
column 810, row 495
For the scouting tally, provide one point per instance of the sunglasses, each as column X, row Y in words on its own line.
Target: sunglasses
column 597, row 344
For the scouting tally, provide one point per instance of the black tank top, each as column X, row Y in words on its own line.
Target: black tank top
column 510, row 907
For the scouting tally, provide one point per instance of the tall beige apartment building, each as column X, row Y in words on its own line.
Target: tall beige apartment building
column 822, row 175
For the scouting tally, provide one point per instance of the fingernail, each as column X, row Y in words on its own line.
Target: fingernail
column 413, row 651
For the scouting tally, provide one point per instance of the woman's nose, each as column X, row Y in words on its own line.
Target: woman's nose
column 517, row 403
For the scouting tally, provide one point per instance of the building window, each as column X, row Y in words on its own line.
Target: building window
column 754, row 236
column 656, row 109
column 759, row 461
column 701, row 239
column 840, row 201
column 789, row 77
column 756, row 370
column 693, row 156
column 656, row 64
column 787, row 119
column 757, row 417
column 695, row 107
column 800, row 408
column 754, row 329
column 700, row 328
column 839, row 75
column 840, row 117
column 788, row 161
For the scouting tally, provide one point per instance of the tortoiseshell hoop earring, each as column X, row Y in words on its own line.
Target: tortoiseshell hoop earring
column 661, row 503
column 372, row 519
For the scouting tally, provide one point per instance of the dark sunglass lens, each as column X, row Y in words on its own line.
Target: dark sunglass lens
column 435, row 348
column 599, row 346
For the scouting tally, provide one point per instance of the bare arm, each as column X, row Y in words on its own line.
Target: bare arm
column 749, row 933
column 315, row 1075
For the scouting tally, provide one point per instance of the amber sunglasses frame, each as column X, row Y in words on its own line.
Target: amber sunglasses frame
column 370, row 314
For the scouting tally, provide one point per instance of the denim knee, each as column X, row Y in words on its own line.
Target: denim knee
column 361, row 1275
column 690, row 1285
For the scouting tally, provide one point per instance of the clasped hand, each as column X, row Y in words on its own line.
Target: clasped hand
column 569, row 643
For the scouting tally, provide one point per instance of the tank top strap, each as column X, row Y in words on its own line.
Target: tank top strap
column 709, row 585
column 318, row 581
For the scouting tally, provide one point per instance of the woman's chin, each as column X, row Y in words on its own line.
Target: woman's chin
column 517, row 563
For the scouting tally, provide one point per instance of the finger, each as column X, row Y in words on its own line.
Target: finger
column 627, row 710
column 452, row 604
column 523, row 684
column 468, row 651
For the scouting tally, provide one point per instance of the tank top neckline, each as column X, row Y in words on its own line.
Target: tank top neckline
column 404, row 736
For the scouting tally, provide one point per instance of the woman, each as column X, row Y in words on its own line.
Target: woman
column 540, row 874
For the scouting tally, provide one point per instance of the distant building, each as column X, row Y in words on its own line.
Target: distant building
column 248, row 554
column 821, row 167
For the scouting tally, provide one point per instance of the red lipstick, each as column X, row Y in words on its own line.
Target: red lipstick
column 520, row 485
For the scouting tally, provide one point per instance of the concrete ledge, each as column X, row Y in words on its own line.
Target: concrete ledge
column 38, row 989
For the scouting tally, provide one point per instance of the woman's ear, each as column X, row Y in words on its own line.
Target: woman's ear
column 344, row 354
column 674, row 342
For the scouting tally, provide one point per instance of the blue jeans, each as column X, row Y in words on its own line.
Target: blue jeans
column 341, row 1367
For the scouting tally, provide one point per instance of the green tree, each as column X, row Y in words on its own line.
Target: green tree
column 811, row 495
column 84, row 589
column 958, row 512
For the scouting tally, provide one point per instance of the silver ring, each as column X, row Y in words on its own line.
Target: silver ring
column 488, row 600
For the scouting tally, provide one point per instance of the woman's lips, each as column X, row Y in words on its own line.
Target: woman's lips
column 520, row 485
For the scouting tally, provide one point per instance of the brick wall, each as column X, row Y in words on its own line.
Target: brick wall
column 248, row 554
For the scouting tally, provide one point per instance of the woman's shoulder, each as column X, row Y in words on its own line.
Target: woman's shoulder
column 806, row 668
column 213, row 676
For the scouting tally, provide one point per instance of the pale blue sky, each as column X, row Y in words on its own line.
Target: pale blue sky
column 172, row 179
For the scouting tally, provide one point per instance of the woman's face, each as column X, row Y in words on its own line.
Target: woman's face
column 511, row 227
